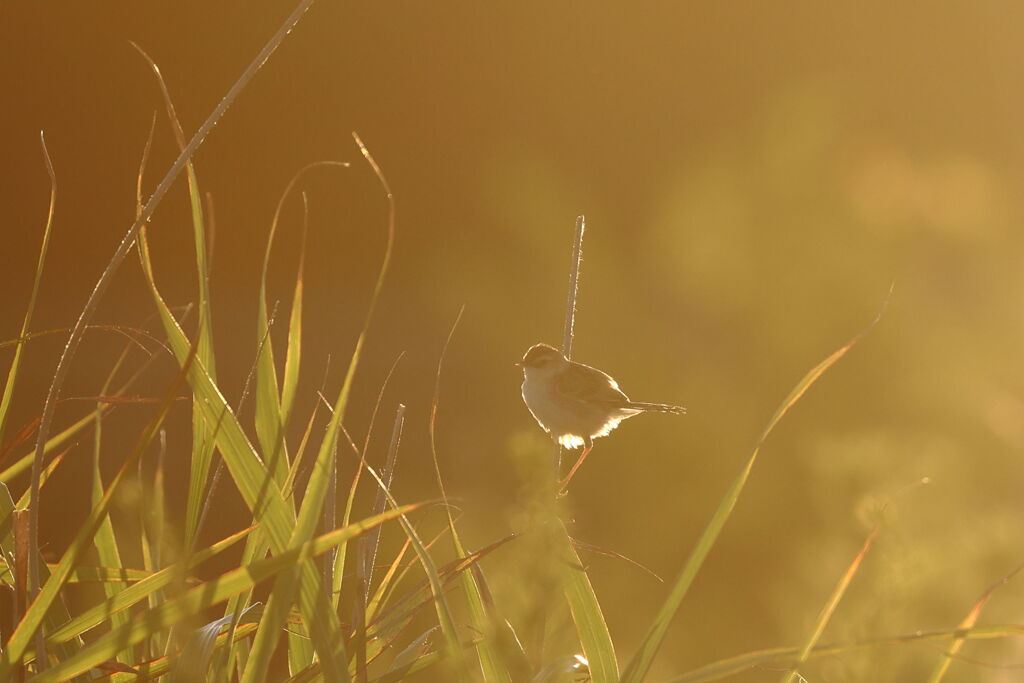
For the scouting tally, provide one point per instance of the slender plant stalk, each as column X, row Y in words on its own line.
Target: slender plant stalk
column 64, row 365
column 12, row 375
column 574, row 282
column 570, row 310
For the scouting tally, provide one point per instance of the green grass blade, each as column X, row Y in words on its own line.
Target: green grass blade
column 203, row 596
column 644, row 657
column 51, row 589
column 272, row 415
column 829, row 608
column 339, row 560
column 491, row 665
column 163, row 665
column 106, row 574
column 968, row 623
column 12, row 374
column 58, row 614
column 778, row 657
column 453, row 649
column 256, row 485
column 586, row 614
column 270, row 409
column 106, row 541
column 194, row 659
column 96, row 615
column 293, row 353
column 202, row 447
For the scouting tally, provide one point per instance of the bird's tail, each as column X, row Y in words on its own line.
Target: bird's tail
column 657, row 407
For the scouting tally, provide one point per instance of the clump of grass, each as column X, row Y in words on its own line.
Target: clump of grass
column 155, row 622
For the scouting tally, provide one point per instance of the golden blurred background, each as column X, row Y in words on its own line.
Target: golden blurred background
column 755, row 177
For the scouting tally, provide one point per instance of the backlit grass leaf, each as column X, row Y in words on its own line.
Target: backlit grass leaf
column 968, row 622
column 12, row 373
column 780, row 657
column 829, row 608
column 275, row 515
column 641, row 662
column 201, row 597
column 587, row 615
column 50, row 591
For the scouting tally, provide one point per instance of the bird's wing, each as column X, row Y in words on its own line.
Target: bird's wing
column 584, row 383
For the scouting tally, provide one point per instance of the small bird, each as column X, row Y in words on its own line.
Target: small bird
column 576, row 403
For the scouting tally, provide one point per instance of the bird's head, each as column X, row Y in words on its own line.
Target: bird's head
column 541, row 357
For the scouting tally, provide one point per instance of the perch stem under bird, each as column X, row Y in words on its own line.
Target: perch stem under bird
column 576, row 403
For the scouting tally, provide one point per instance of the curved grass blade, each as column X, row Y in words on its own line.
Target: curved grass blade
column 126, row 243
column 339, row 560
column 32, row 621
column 257, row 486
column 202, row 444
column 774, row 658
column 105, row 539
column 194, row 659
column 137, row 592
column 830, row 607
column 12, row 374
column 586, row 613
column 492, row 667
column 453, row 649
column 14, row 552
column 968, row 622
column 642, row 660
column 205, row 595
column 273, row 408
column 162, row 665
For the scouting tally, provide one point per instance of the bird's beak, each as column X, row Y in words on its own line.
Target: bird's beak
column 518, row 364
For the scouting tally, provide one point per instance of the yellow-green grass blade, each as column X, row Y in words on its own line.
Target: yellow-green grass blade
column 293, row 472
column 339, row 560
column 60, row 439
column 491, row 665
column 205, row 346
column 12, row 373
column 44, row 477
column 386, row 628
column 320, row 479
column 586, row 614
column 256, row 547
column 293, row 353
column 152, row 519
column 203, row 596
column 774, row 658
column 163, row 665
column 106, row 574
column 385, row 582
column 329, row 444
column 829, row 608
column 98, row 614
column 366, row 552
column 257, row 486
column 444, row 616
column 195, row 657
column 202, row 450
column 644, row 657
column 106, row 541
column 271, row 416
column 50, row 591
column 942, row 666
column 424, row 662
column 58, row 614
column 271, row 628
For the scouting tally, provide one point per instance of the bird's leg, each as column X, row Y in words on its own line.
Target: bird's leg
column 583, row 456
